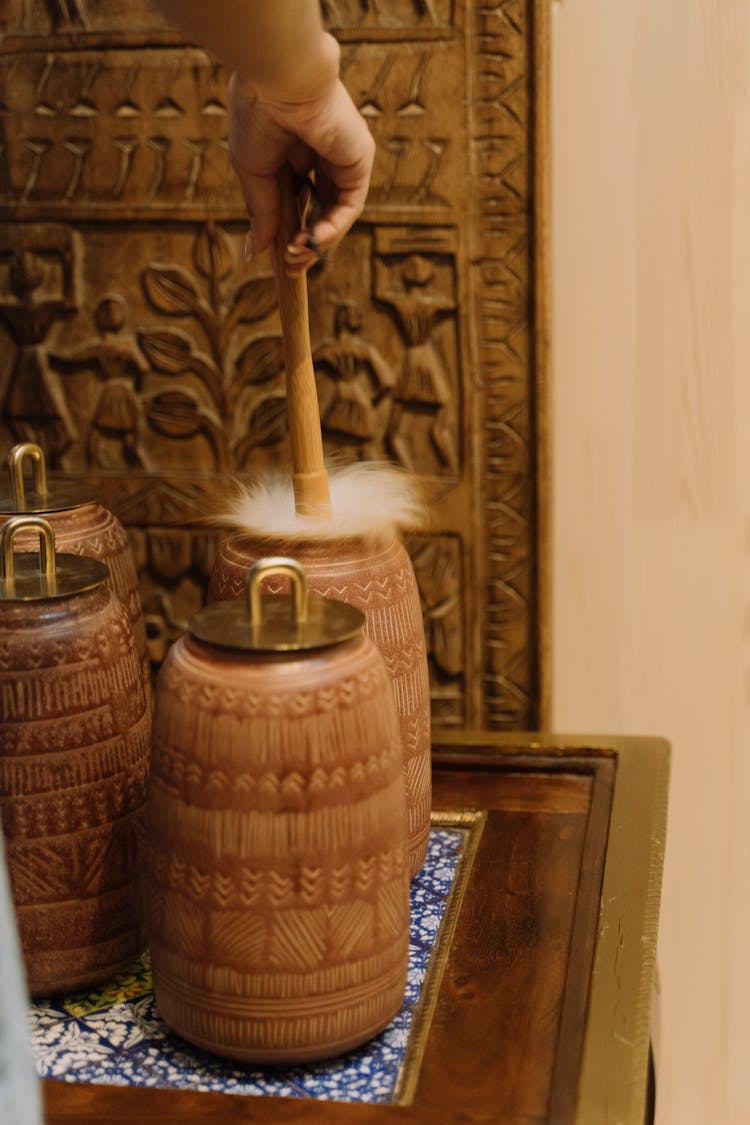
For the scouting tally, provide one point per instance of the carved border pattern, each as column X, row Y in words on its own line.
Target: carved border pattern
column 501, row 121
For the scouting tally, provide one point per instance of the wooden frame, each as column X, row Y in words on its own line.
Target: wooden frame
column 539, row 1008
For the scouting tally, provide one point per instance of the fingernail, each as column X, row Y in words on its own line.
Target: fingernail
column 248, row 245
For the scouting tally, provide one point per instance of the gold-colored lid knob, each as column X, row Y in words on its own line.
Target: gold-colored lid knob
column 44, row 495
column 277, row 622
column 27, row 577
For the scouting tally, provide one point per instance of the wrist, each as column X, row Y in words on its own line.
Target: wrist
column 314, row 71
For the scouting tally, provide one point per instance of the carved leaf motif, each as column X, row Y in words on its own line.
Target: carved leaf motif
column 171, row 290
column 254, row 299
column 178, row 413
column 260, row 361
column 212, row 253
column 267, row 423
column 167, row 351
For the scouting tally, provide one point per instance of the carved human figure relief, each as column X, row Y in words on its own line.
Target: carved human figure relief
column 423, row 387
column 67, row 15
column 360, row 376
column 115, row 438
column 62, row 15
column 33, row 405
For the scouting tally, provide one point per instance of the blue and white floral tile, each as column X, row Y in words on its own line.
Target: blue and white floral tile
column 116, row 1036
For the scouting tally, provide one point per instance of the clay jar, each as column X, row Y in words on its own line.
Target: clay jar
column 378, row 578
column 82, row 527
column 279, row 883
column 74, row 745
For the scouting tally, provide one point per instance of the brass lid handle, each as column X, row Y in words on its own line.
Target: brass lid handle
column 21, row 496
column 266, row 568
column 25, row 577
column 47, row 569
column 277, row 623
column 17, row 457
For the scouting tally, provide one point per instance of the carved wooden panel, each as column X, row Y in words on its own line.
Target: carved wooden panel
column 144, row 354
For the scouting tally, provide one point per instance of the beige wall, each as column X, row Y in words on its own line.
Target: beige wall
column 651, row 432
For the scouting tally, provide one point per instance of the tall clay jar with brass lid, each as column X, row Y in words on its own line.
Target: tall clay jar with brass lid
column 375, row 575
column 279, row 882
column 74, row 746
column 82, row 527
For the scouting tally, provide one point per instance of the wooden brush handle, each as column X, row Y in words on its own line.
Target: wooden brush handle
column 309, row 476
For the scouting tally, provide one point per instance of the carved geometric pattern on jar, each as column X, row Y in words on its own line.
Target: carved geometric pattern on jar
column 106, row 663
column 375, row 594
column 210, row 786
column 95, row 859
column 277, row 838
column 86, row 807
column 212, row 697
column 64, row 929
column 283, row 937
column 288, row 1025
column 239, row 885
column 79, row 750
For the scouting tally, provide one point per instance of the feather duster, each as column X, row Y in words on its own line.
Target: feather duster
column 369, row 500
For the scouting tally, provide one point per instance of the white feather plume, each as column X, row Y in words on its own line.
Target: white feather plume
column 369, row 500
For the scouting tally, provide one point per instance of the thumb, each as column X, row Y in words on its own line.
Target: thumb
column 261, row 194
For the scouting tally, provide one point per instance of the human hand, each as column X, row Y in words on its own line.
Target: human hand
column 324, row 134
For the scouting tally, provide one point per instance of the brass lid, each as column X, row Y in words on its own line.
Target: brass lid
column 277, row 622
column 29, row 577
column 42, row 496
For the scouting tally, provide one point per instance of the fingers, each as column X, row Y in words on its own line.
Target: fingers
column 257, row 148
column 331, row 227
column 323, row 230
column 342, row 193
column 328, row 136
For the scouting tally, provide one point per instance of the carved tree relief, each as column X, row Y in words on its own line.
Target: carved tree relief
column 143, row 352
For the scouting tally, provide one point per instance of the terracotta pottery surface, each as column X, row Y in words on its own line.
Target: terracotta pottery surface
column 279, row 881
column 93, row 531
column 379, row 579
column 75, row 733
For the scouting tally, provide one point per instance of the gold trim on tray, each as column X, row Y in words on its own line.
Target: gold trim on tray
column 472, row 822
column 618, row 1028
